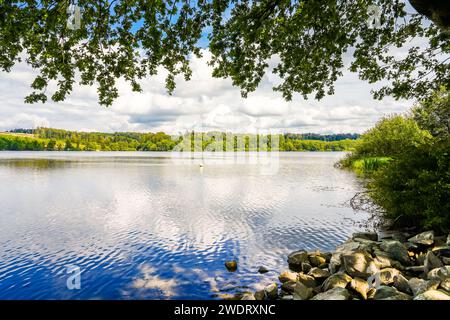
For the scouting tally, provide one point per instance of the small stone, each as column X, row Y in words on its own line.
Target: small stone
column 336, row 280
column 316, row 259
column 439, row 273
column 387, row 276
column 442, row 251
column 318, row 273
column 433, row 295
column 288, row 286
column 396, row 250
column 425, row 238
column 287, row 297
column 445, row 284
column 360, row 286
column 306, row 267
column 302, row 292
column 307, row 280
column 248, row 296
column 231, row 265
column 333, row 294
column 260, row 295
column 296, row 258
column 288, row 276
column 373, row 236
column 419, row 286
column 359, row 264
column 263, row 269
column 271, row 291
column 432, row 262
column 401, row 284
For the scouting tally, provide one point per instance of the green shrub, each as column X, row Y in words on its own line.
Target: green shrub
column 416, row 186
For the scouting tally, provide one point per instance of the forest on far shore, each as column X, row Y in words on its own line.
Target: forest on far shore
column 48, row 139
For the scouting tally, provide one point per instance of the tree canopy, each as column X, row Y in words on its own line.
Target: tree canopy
column 310, row 40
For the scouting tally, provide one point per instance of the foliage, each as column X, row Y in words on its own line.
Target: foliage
column 416, row 186
column 134, row 39
column 434, row 114
column 57, row 139
column 367, row 166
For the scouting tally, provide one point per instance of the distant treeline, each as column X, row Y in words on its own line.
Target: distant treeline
column 57, row 139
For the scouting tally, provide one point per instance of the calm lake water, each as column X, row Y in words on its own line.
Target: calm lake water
column 154, row 226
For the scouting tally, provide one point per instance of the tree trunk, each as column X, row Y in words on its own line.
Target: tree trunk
column 437, row 11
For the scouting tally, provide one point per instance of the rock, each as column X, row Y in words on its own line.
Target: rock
column 391, row 235
column 382, row 260
column 287, row 297
column 296, row 258
column 360, row 286
column 415, row 269
column 288, row 286
column 307, row 280
column 432, row 262
column 316, row 259
column 390, row 293
column 373, row 236
column 306, row 267
column 263, row 269
column 260, row 295
column 336, row 280
column 433, row 295
column 347, row 247
column 302, row 292
column 288, row 276
column 401, row 284
column 425, row 238
column 371, row 293
column 318, row 273
column 396, row 250
column 248, row 296
column 446, row 260
column 337, row 293
column 439, row 273
column 448, row 240
column 419, row 286
column 359, row 264
column 420, row 259
column 442, row 251
column 271, row 291
column 387, row 276
column 445, row 284
column 231, row 265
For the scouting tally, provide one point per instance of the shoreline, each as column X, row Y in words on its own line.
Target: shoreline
column 390, row 265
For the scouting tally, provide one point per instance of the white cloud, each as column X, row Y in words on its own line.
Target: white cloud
column 204, row 103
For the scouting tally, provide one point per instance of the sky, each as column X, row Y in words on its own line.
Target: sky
column 202, row 104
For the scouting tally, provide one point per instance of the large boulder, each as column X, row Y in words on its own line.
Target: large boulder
column 336, row 280
column 439, row 273
column 333, row 294
column 383, row 260
column 396, row 250
column 288, row 276
column 419, row 286
column 296, row 258
column 302, row 292
column 359, row 264
column 425, row 238
column 316, row 259
column 390, row 293
column 442, row 251
column 432, row 262
column 360, row 286
column 433, row 295
column 445, row 284
column 347, row 247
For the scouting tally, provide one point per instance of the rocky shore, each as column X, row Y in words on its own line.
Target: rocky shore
column 369, row 266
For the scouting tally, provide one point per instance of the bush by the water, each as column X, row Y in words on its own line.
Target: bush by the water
column 407, row 161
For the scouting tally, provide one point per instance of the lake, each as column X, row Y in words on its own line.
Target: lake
column 159, row 225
